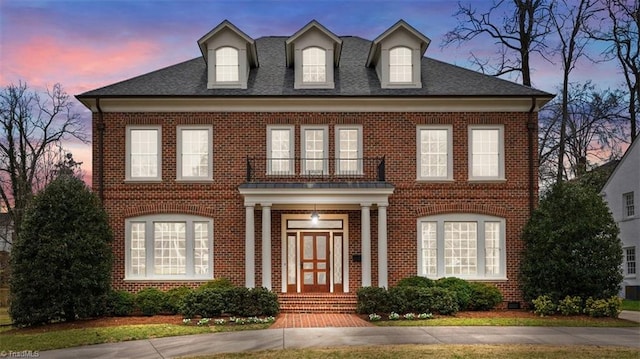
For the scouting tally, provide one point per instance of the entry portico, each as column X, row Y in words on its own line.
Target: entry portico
column 330, row 236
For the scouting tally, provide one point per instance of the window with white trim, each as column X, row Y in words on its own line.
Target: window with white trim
column 400, row 66
column 435, row 147
column 629, row 206
column 168, row 247
column 195, row 161
column 227, row 65
column 143, row 153
column 486, row 152
column 348, row 149
column 280, row 150
column 461, row 245
column 313, row 149
column 630, row 261
column 314, row 65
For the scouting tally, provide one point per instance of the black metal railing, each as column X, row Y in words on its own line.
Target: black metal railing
column 261, row 169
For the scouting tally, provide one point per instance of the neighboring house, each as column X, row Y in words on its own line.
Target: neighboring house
column 213, row 167
column 622, row 193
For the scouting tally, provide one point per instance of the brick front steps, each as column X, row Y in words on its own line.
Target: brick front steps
column 317, row 302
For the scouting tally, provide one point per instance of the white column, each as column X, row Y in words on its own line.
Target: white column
column 366, row 244
column 250, row 247
column 382, row 245
column 266, row 245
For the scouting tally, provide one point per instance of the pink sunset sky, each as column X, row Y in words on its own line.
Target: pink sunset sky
column 86, row 44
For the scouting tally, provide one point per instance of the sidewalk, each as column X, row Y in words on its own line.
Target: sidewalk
column 273, row 339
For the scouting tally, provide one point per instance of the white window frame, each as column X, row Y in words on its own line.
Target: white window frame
column 501, row 154
column 419, row 130
column 359, row 170
column 303, row 151
column 481, row 221
column 628, row 202
column 323, row 66
column 292, row 147
column 149, row 221
column 209, row 175
column 128, row 145
column 220, row 67
column 627, row 261
column 392, row 66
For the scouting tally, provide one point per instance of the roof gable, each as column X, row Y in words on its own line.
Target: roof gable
column 226, row 25
column 313, row 25
column 630, row 157
column 401, row 25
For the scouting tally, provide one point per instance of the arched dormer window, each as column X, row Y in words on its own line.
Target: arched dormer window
column 227, row 65
column 400, row 66
column 314, row 68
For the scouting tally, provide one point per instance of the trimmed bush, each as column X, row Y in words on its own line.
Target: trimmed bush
column 175, row 298
column 459, row 287
column 415, row 281
column 373, row 300
column 120, row 303
column 206, row 303
column 217, row 283
column 423, row 300
column 543, row 305
column 253, row 302
column 151, row 301
column 484, row 296
column 603, row 307
column 570, row 306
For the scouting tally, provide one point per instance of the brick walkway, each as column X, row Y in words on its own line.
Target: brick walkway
column 318, row 320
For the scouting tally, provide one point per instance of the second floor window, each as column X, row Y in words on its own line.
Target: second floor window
column 629, row 209
column 143, row 153
column 194, row 153
column 280, row 150
column 400, row 69
column 434, row 153
column 313, row 150
column 227, row 67
column 349, row 150
column 486, row 153
column 314, row 67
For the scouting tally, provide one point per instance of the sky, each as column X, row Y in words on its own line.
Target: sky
column 87, row 44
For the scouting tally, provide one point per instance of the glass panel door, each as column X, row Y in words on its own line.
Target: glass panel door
column 314, row 262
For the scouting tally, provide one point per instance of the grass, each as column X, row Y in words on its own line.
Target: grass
column 580, row 321
column 443, row 351
column 631, row 305
column 4, row 316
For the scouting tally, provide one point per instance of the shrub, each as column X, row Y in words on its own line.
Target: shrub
column 570, row 305
column 206, row 303
column 175, row 298
column 484, row 296
column 372, row 300
column 573, row 230
column 543, row 305
column 151, row 301
column 415, row 281
column 423, row 300
column 459, row 287
column 603, row 307
column 61, row 260
column 253, row 302
column 217, row 283
column 120, row 303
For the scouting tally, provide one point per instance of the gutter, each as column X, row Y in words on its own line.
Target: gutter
column 100, row 127
column 531, row 130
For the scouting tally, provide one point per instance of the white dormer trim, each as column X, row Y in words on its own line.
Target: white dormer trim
column 228, row 35
column 313, row 35
column 400, row 34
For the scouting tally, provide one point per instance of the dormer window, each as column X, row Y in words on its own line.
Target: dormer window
column 314, row 65
column 400, row 67
column 227, row 69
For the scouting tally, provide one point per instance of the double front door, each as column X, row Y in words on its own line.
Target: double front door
column 314, row 261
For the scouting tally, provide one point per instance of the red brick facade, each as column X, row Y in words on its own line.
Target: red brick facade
column 238, row 135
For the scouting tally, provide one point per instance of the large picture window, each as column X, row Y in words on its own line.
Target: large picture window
column 435, row 146
column 194, row 153
column 461, row 245
column 166, row 247
column 143, row 153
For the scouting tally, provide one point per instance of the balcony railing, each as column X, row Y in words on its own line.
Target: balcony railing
column 315, row 169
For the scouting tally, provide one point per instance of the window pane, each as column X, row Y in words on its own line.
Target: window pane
column 631, row 260
column 629, row 206
column 169, row 248
column 348, row 156
column 337, row 259
column 144, row 153
column 138, row 253
column 195, row 153
column 291, row 259
column 492, row 248
column 400, row 69
column 460, row 248
column 201, row 247
column 433, row 153
column 314, row 65
column 227, row 69
column 485, row 153
column 314, row 151
column 280, row 151
column 429, row 248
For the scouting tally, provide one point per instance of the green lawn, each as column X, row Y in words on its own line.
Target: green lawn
column 579, row 321
column 631, row 305
column 443, row 351
column 4, row 316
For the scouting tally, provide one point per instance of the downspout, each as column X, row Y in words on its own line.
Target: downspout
column 100, row 127
column 531, row 130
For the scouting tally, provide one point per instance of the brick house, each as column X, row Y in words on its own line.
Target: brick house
column 214, row 167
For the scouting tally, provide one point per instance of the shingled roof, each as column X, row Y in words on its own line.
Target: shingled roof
column 352, row 79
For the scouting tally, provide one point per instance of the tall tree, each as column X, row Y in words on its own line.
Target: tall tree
column 31, row 130
column 519, row 30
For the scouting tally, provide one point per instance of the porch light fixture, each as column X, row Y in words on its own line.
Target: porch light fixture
column 314, row 215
